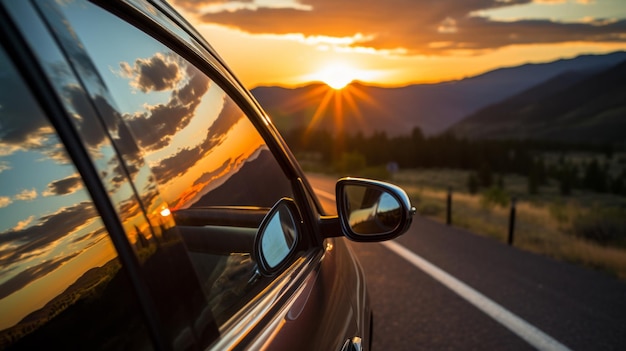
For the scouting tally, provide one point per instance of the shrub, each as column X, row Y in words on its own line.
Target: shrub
column 472, row 183
column 430, row 209
column 494, row 196
column 605, row 226
column 559, row 212
column 484, row 175
column 533, row 183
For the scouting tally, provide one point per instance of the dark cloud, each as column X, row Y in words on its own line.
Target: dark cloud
column 67, row 36
column 128, row 208
column 23, row 124
column 191, row 5
column 229, row 116
column 209, row 176
column 125, row 143
column 31, row 274
column 31, row 240
column 150, row 195
column 417, row 26
column 64, row 186
column 156, row 73
column 120, row 173
column 192, row 92
column 92, row 238
column 89, row 127
column 177, row 164
column 155, row 128
column 186, row 158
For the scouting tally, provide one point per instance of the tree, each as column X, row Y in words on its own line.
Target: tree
column 565, row 181
column 608, row 151
column 472, row 183
column 533, row 183
column 540, row 171
column 485, row 177
column 500, row 181
column 617, row 184
column 595, row 177
column 417, row 136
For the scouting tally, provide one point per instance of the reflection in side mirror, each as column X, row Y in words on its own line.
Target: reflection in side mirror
column 371, row 210
column 276, row 237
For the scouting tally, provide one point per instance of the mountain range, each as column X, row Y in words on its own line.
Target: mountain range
column 481, row 106
column 575, row 106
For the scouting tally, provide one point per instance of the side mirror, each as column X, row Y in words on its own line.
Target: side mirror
column 370, row 210
column 277, row 237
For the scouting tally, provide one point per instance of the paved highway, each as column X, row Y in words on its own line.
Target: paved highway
column 443, row 288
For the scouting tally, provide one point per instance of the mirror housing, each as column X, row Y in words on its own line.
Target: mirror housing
column 277, row 237
column 371, row 210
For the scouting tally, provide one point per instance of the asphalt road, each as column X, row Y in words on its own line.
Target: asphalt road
column 474, row 293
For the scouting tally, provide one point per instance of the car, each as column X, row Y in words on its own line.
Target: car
column 148, row 202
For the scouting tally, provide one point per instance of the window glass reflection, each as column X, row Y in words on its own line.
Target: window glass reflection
column 149, row 226
column 58, row 267
column 207, row 160
column 193, row 136
column 80, row 108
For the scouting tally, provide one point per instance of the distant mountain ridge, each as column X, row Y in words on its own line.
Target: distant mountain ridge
column 575, row 106
column 432, row 107
column 269, row 181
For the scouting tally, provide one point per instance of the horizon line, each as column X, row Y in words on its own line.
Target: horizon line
column 426, row 82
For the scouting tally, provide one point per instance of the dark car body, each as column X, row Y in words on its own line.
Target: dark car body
column 147, row 201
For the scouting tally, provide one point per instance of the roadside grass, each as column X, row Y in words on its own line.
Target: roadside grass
column 585, row 228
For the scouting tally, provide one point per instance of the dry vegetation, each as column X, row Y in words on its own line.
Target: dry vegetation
column 585, row 228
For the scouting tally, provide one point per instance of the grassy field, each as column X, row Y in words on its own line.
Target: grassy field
column 584, row 228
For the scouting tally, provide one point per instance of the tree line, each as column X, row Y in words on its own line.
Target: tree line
column 487, row 159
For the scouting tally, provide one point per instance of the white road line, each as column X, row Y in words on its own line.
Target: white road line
column 526, row 331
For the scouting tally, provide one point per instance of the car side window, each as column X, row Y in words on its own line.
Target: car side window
column 209, row 162
column 59, row 270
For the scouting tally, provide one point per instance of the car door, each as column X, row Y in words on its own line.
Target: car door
column 205, row 170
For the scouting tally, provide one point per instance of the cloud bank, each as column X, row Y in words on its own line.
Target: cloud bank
column 410, row 26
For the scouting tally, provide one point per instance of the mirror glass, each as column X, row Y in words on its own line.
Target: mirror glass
column 371, row 210
column 278, row 236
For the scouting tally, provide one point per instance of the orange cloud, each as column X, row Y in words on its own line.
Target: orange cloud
column 409, row 25
column 26, row 195
column 5, row 201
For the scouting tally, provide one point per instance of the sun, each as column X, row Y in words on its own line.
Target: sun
column 337, row 75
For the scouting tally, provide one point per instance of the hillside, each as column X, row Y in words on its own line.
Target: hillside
column 571, row 107
column 432, row 107
column 269, row 183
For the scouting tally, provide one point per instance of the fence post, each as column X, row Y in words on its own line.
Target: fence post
column 449, row 207
column 512, row 220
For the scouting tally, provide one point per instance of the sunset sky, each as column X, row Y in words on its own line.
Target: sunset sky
column 399, row 42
